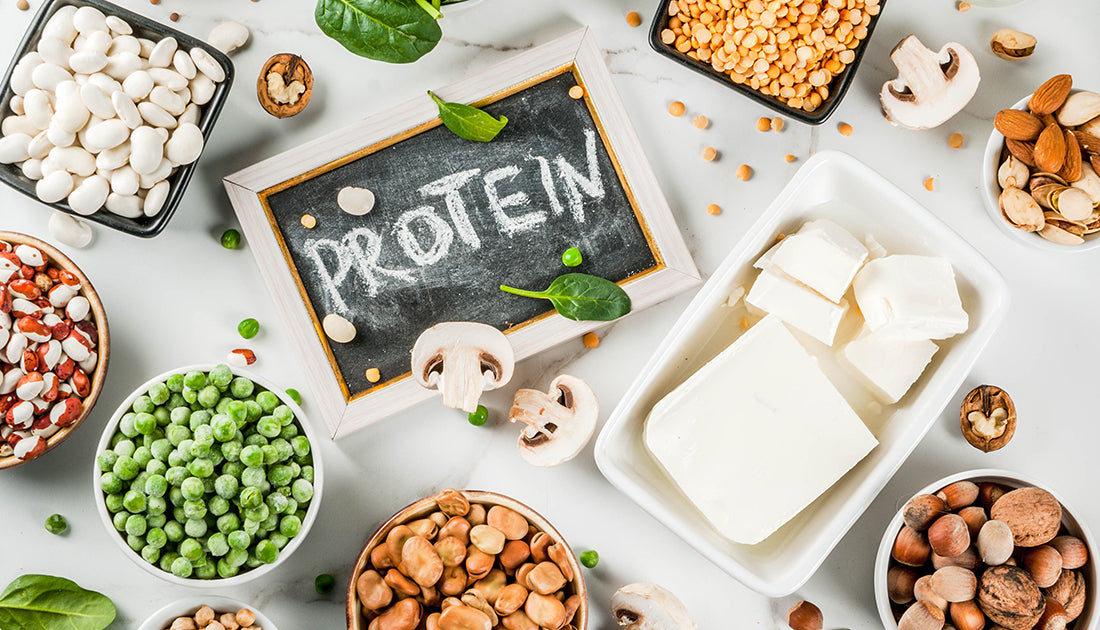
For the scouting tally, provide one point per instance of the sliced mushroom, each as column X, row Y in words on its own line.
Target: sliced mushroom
column 559, row 422
column 461, row 360
column 649, row 607
column 931, row 86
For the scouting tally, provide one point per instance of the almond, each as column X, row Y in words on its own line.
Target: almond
column 1017, row 124
column 1023, row 151
column 1033, row 515
column 1071, row 167
column 1050, row 95
column 1050, row 149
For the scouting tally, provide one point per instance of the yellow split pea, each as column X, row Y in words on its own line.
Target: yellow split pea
column 714, row 209
column 633, row 18
column 676, row 108
column 590, row 340
column 710, row 153
column 309, row 221
column 576, row 92
column 744, row 172
column 845, row 129
column 373, row 375
column 700, row 122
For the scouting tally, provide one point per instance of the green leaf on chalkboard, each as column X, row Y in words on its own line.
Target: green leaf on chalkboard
column 581, row 297
column 468, row 122
column 44, row 602
column 395, row 31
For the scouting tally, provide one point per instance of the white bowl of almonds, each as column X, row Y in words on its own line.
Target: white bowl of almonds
column 1041, row 182
column 986, row 549
column 206, row 612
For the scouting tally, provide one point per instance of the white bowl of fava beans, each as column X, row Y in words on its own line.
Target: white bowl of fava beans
column 889, row 612
column 246, row 574
column 188, row 606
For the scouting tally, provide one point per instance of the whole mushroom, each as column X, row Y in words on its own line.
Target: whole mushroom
column 559, row 422
column 462, row 360
column 649, row 607
column 931, row 86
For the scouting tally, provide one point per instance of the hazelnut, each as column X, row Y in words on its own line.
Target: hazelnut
column 959, row 494
column 995, row 543
column 1073, row 551
column 968, row 559
column 899, row 584
column 975, row 517
column 1010, row 598
column 285, row 85
column 923, row 510
column 1044, row 563
column 955, row 584
column 923, row 592
column 911, row 547
column 922, row 616
column 949, row 535
column 1054, row 616
column 967, row 616
column 989, row 492
column 988, row 418
column 1033, row 515
column 1069, row 591
column 805, row 616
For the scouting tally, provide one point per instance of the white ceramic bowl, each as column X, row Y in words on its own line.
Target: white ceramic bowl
column 1088, row 618
column 991, row 192
column 188, row 605
column 835, row 186
column 244, row 576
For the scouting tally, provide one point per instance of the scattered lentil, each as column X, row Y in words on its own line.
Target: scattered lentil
column 175, row 17
column 963, row 7
column 633, row 18
column 700, row 122
column 309, row 221
column 956, row 140
column 676, row 108
column 744, row 172
column 763, row 124
column 745, row 324
column 845, row 129
column 709, row 154
column 22, row 5
column 777, row 124
column 576, row 92
column 929, row 184
column 789, row 158
column 714, row 209
column 590, row 340
column 373, row 375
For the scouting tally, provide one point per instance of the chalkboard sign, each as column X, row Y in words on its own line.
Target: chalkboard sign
column 453, row 220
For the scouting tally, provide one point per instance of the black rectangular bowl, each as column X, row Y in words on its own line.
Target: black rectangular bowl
column 12, row 174
column 838, row 87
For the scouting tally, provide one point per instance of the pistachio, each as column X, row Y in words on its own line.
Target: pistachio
column 1013, row 172
column 1056, row 234
column 285, row 85
column 1078, row 109
column 1010, row 44
column 988, row 417
column 1021, row 210
column 1090, row 183
column 1072, row 203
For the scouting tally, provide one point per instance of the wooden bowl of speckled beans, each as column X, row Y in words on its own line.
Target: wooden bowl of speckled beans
column 53, row 435
column 441, row 508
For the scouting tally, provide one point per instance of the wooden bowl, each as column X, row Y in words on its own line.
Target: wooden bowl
column 103, row 344
column 426, row 506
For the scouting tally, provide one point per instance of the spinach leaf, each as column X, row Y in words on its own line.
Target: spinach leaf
column 43, row 602
column 581, row 297
column 396, row 31
column 468, row 122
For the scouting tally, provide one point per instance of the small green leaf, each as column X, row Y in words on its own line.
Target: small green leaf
column 468, row 122
column 395, row 31
column 43, row 602
column 581, row 297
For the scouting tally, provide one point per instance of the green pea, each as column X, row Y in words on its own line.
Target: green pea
column 136, row 526
column 156, row 467
column 111, row 482
column 158, row 394
column 572, row 257
column 255, row 439
column 239, row 539
column 223, row 428
column 209, row 396
column 161, row 448
column 156, row 485
column 143, row 404
column 156, row 537
column 145, row 423
column 116, row 438
column 228, row 523
column 56, row 524
column 195, row 380
column 266, row 551
column 226, row 486
column 156, row 520
column 155, row 506
column 181, row 567
column 589, row 558
column 277, row 502
column 125, row 448
column 195, row 527
column 259, row 513
column 199, row 418
column 175, row 383
column 135, row 542
column 175, row 401
column 174, row 531
column 142, row 456
column 114, row 502
column 139, row 481
column 255, row 411
column 194, row 508
column 252, row 562
column 271, row 454
column 324, row 584
column 231, row 451
column 190, row 396
column 201, row 467
column 290, row 525
column 231, row 239
column 150, row 554
column 225, row 570
column 236, row 557
column 237, row 412
column 283, row 414
column 180, row 416
column 271, row 523
column 268, row 401
column 253, row 477
column 217, row 545
column 252, row 456
column 280, row 475
column 176, row 434
column 269, row 427
column 248, row 328
column 126, row 468
column 166, row 560
column 250, row 497
column 295, row 396
column 233, row 468
column 176, row 475
column 288, row 432
column 480, row 417
column 106, row 460
column 251, row 527
column 218, row 506
column 119, row 520
column 198, row 449
column 223, row 404
column 134, row 500
column 221, row 376
column 307, row 473
column 241, row 387
column 175, row 496
column 302, row 490
column 300, row 444
column 192, row 488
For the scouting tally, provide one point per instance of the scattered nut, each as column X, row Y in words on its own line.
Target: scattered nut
column 22, row 5
column 988, row 418
column 789, row 158
column 963, row 7
column 590, row 340
column 309, row 221
column 338, row 328
column 1009, row 44
column 228, row 36
column 633, row 18
column 373, row 375
column 805, row 616
column 285, row 85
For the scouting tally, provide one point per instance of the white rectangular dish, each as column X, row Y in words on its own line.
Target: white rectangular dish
column 835, row 186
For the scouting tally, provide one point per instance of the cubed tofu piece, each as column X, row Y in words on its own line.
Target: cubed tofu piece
column 910, row 298
column 797, row 305
column 821, row 255
column 887, row 366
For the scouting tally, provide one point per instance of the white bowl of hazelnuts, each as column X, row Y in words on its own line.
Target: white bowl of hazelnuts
column 986, row 549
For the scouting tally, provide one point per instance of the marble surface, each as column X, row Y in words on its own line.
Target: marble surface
column 176, row 299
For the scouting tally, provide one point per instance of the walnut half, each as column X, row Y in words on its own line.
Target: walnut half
column 988, row 418
column 285, row 85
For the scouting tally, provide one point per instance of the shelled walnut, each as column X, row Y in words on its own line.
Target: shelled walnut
column 988, row 418
column 285, row 85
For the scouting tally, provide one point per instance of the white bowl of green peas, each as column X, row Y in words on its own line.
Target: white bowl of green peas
column 208, row 476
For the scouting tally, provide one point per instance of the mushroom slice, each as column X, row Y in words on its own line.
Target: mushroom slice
column 649, row 607
column 931, row 86
column 461, row 360
column 559, row 422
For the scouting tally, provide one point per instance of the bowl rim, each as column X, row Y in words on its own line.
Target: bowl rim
column 991, row 192
column 103, row 344
column 195, row 601
column 1004, row 477
column 424, row 506
column 145, row 227
column 244, row 577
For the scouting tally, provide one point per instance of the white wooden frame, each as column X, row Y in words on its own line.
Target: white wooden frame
column 576, row 52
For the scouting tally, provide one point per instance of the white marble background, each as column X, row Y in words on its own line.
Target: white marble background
column 176, row 299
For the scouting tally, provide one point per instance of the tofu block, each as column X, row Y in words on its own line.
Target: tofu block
column 910, row 298
column 888, row 367
column 821, row 255
column 795, row 304
column 756, row 434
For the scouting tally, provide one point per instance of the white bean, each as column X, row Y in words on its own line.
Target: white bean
column 82, row 135
column 54, row 187
column 107, row 135
column 147, row 150
column 183, row 64
column 13, row 148
column 124, row 181
column 38, row 108
column 162, row 172
column 18, row 124
column 97, row 101
column 78, row 43
column 71, row 114
column 89, row 19
column 186, row 144
column 99, row 42
column 70, row 230
column 168, row 78
column 105, row 82
column 123, row 64
column 185, row 94
column 154, row 200
column 105, row 173
column 207, row 65
column 125, row 43
column 55, row 51
column 119, row 25
column 16, row 105
column 126, row 110
column 39, row 146
column 60, row 137
column 147, row 46
column 60, row 25
column 47, row 76
column 114, row 158
column 50, row 166
column 155, row 115
column 76, row 160
column 88, row 61
column 90, row 196
column 191, row 115
column 22, row 75
column 162, row 54
column 138, row 85
column 32, row 169
column 168, row 100
column 202, row 89
column 125, row 205
column 228, row 36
